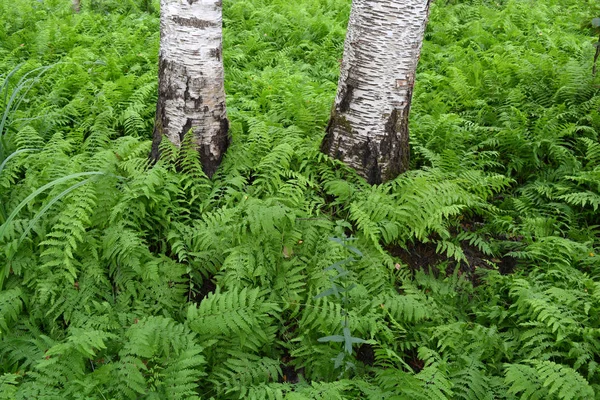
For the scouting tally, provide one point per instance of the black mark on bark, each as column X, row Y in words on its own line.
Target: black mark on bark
column 193, row 22
column 327, row 141
column 219, row 142
column 216, row 53
column 395, row 145
column 161, row 120
column 186, row 128
column 331, row 142
column 369, row 155
column 187, row 96
column 346, row 97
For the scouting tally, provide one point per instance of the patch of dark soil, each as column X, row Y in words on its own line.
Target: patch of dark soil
column 200, row 292
column 413, row 360
column 423, row 256
column 289, row 373
column 507, row 265
column 365, row 354
column 418, row 255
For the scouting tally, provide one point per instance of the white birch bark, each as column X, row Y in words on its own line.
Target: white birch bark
column 75, row 5
column 368, row 129
column 191, row 88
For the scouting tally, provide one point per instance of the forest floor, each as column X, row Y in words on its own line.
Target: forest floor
column 475, row 275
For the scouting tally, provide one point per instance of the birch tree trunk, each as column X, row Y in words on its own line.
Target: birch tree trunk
column 368, row 128
column 191, row 93
column 75, row 6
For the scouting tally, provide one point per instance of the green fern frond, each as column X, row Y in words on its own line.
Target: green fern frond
column 243, row 314
column 321, row 315
column 162, row 356
column 583, row 199
column 241, row 371
column 8, row 386
column 409, row 308
column 471, row 382
column 546, row 379
column 11, row 304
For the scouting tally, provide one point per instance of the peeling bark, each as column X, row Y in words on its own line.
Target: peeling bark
column 368, row 127
column 191, row 92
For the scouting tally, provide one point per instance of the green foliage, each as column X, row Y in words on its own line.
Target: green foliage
column 545, row 379
column 341, row 284
column 473, row 276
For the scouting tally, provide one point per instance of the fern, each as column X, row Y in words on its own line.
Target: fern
column 546, row 379
column 11, row 305
column 151, row 281
column 240, row 372
column 408, row 308
column 471, row 382
column 159, row 356
column 8, row 386
column 429, row 383
column 241, row 314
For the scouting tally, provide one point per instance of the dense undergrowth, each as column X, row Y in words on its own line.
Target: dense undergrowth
column 473, row 276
